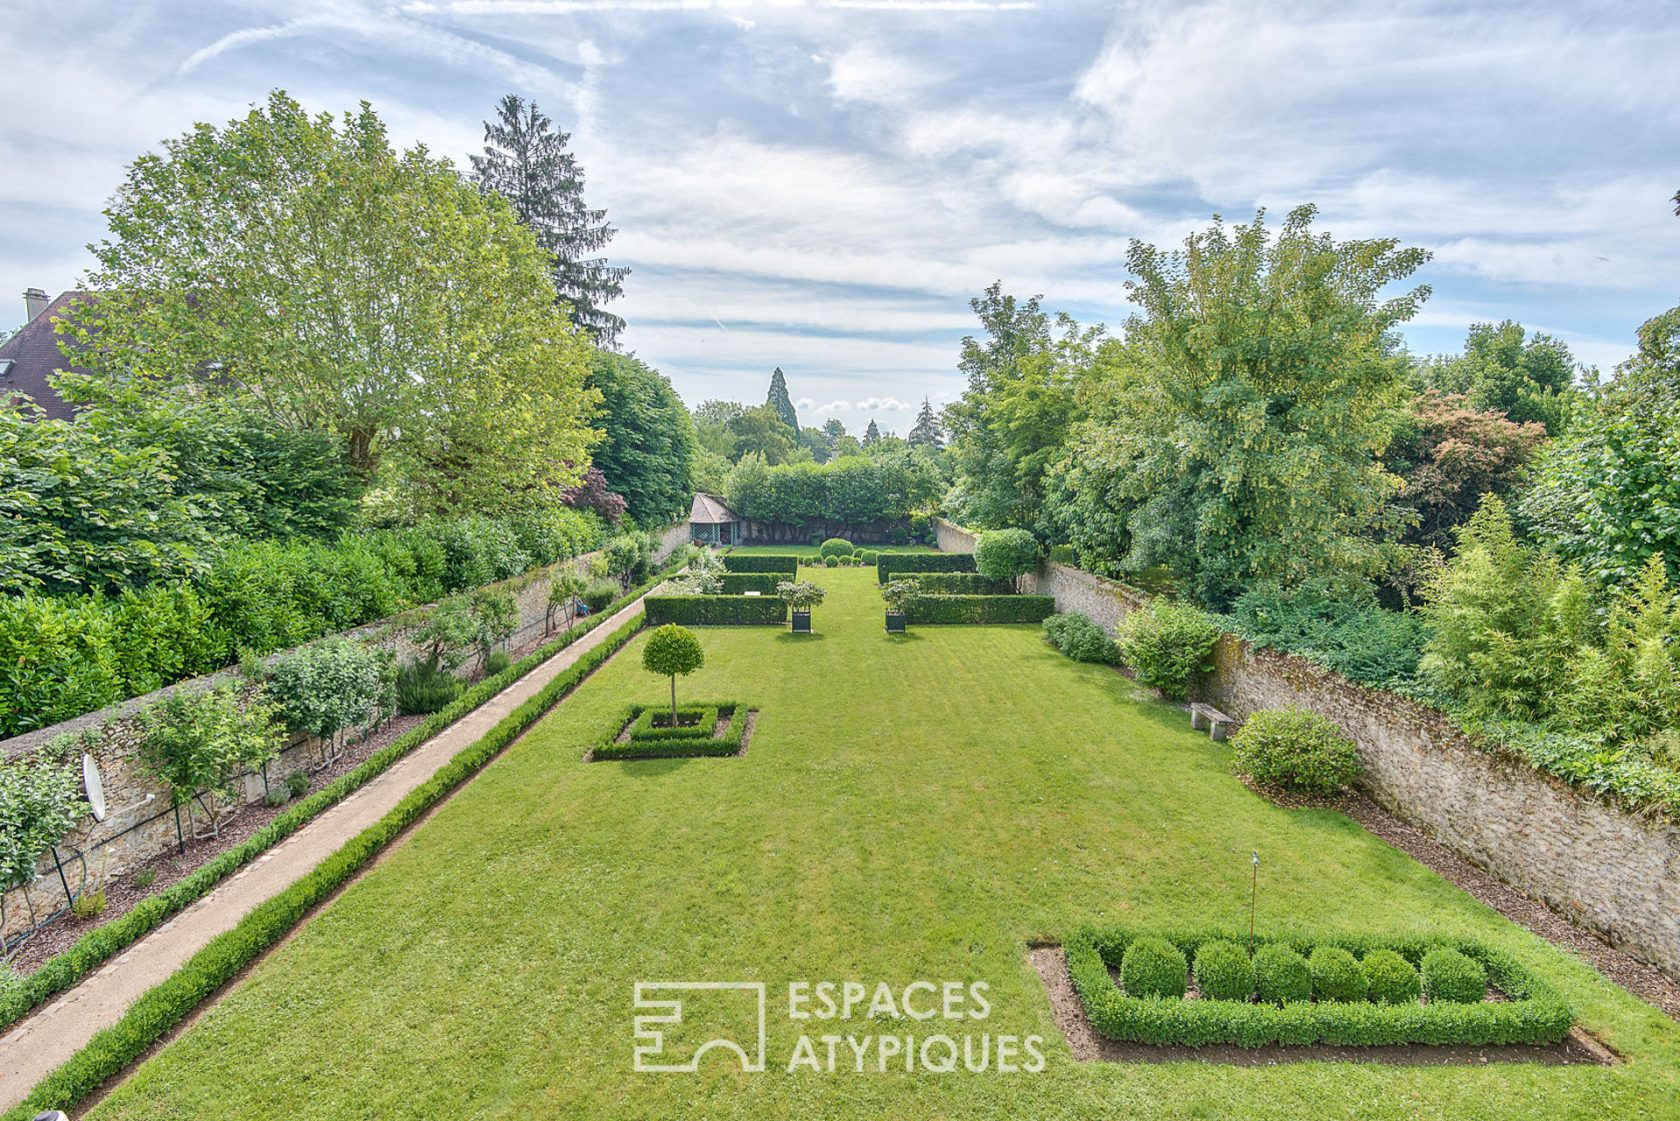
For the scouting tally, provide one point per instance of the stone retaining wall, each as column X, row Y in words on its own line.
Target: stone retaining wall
column 1613, row 871
column 140, row 822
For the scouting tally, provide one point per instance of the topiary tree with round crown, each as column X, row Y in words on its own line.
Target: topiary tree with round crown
column 673, row 651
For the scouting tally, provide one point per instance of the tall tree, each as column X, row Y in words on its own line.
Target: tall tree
column 526, row 162
column 1236, row 439
column 1528, row 377
column 648, row 453
column 1450, row 455
column 1012, row 421
column 304, row 262
column 1607, row 494
column 927, row 432
column 833, row 428
column 872, row 434
column 761, row 430
column 779, row 400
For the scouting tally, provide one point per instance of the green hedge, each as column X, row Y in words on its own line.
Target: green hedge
column 739, row 583
column 643, row 728
column 657, row 746
column 62, row 656
column 889, row 564
column 171, row 1001
column 964, row 584
column 980, row 609
column 762, row 562
column 715, row 611
column 1534, row 1013
column 63, row 971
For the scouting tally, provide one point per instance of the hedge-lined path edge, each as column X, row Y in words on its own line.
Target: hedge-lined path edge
column 1088, row 1046
column 41, row 1043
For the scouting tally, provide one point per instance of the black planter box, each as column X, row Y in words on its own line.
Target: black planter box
column 801, row 622
column 895, row 622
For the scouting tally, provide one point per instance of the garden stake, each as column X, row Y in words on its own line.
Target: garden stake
column 1253, row 892
column 59, row 864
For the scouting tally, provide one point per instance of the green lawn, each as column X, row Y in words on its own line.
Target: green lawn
column 915, row 807
column 811, row 550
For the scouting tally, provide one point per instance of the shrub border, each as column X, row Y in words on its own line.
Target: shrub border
column 66, row 969
column 889, row 563
column 716, row 611
column 643, row 729
column 608, row 749
column 172, row 1000
column 939, row 610
column 762, row 562
column 1535, row 1013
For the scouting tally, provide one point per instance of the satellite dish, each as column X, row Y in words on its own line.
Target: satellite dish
column 94, row 786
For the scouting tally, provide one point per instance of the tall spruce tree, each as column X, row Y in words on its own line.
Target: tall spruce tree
column 872, row 434
column 526, row 162
column 927, row 431
column 834, row 428
column 779, row 400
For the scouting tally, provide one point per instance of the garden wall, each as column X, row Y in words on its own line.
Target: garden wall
column 139, row 822
column 1610, row 870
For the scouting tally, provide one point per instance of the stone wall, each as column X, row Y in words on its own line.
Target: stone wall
column 1615, row 872
column 140, row 822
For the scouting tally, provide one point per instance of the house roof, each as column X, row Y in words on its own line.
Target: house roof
column 33, row 356
column 710, row 511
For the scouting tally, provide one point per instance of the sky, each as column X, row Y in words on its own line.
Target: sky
column 824, row 186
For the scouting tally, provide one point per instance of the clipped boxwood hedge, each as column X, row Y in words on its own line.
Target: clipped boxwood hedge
column 660, row 746
column 715, row 611
column 1535, row 1013
column 739, row 583
column 964, row 584
column 762, row 562
column 65, row 970
column 644, row 729
column 980, row 609
column 889, row 564
column 172, row 1000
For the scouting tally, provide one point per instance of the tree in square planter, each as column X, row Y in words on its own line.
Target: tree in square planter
column 673, row 652
column 800, row 597
column 899, row 594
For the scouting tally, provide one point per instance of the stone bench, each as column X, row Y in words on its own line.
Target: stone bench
column 1218, row 725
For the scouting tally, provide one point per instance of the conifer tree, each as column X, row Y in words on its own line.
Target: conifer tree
column 928, row 432
column 872, row 434
column 779, row 400
column 526, row 162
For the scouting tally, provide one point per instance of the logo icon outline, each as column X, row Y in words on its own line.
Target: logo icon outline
column 651, row 1038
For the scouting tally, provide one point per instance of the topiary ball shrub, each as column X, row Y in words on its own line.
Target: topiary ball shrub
column 1281, row 975
column 1336, row 975
column 1294, row 749
column 1390, row 978
column 868, row 556
column 1223, row 971
column 1081, row 639
column 835, row 547
column 1452, row 977
column 1153, row 967
column 1167, row 644
column 831, row 562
